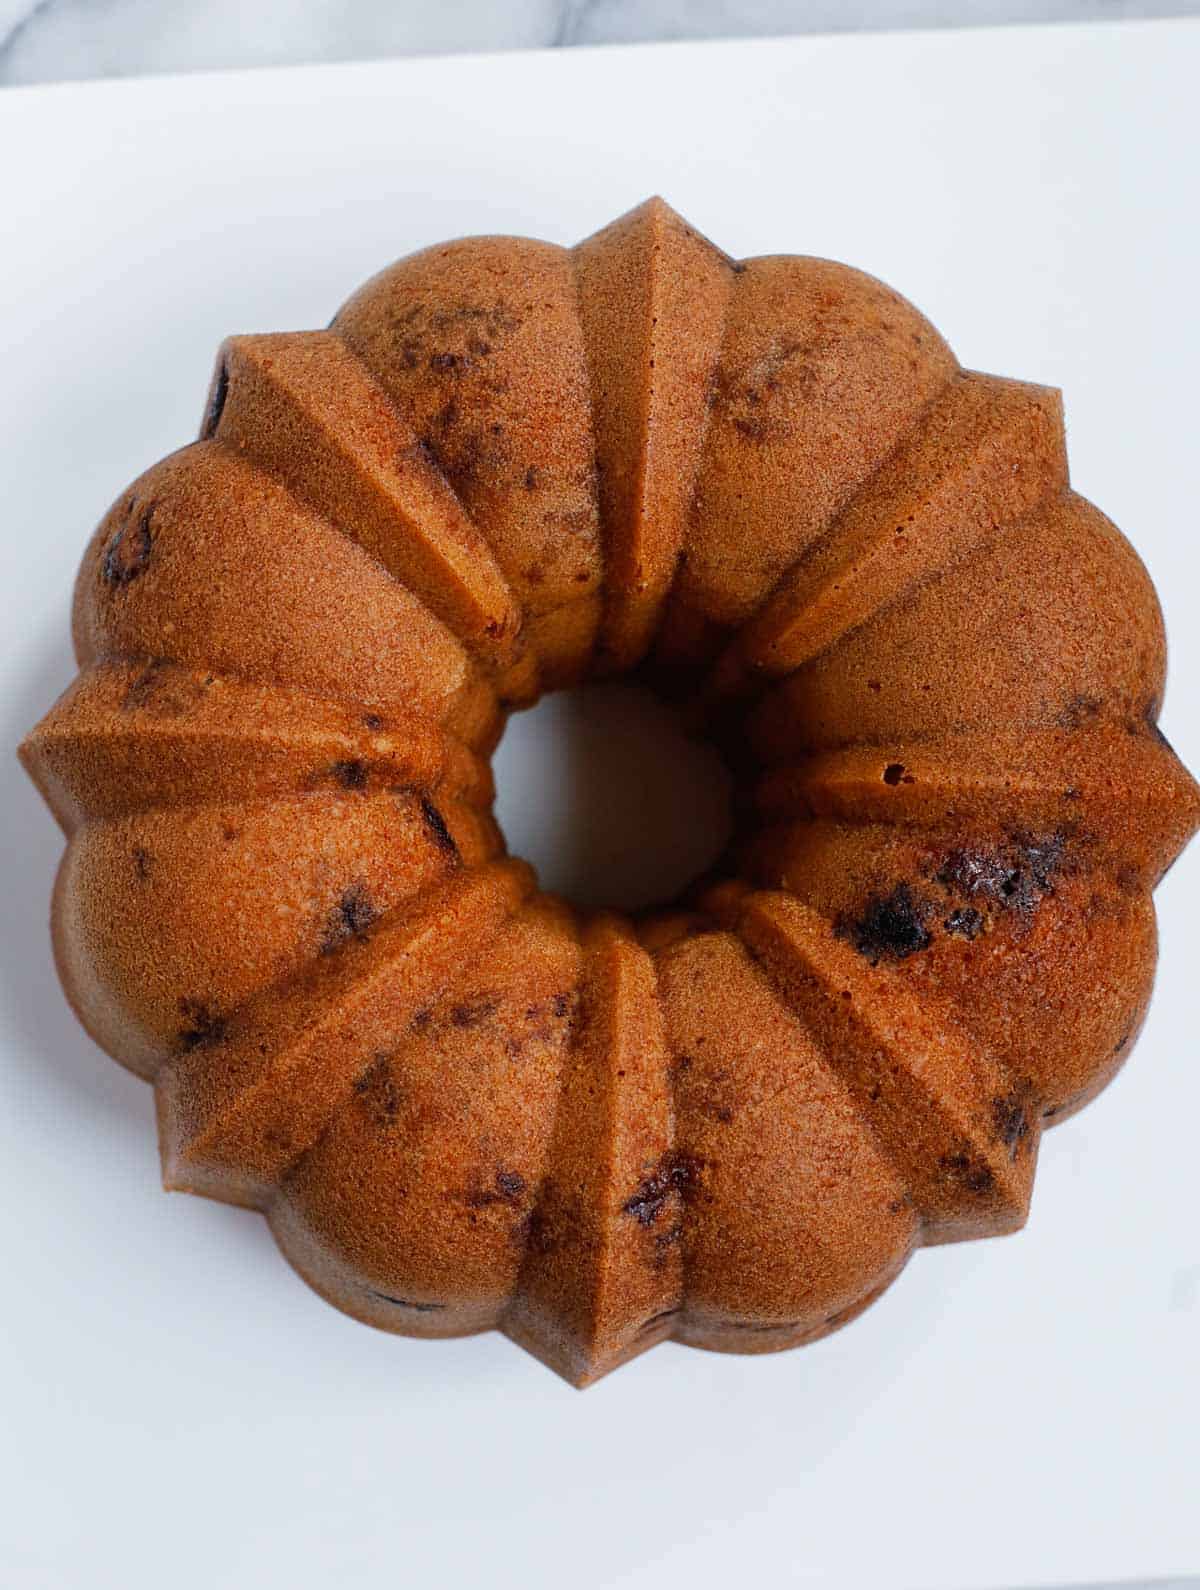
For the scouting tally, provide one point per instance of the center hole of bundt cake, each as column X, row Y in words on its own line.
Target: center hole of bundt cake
column 613, row 803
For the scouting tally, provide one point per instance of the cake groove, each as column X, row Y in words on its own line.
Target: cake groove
column 1082, row 637
column 984, row 454
column 601, row 1276
column 480, row 346
column 134, row 736
column 670, row 288
column 1119, row 778
column 821, row 371
column 213, row 568
column 304, row 408
column 457, row 1147
column 943, row 1110
column 790, row 1191
column 237, row 1111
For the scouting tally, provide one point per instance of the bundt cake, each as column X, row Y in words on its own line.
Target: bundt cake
column 768, row 489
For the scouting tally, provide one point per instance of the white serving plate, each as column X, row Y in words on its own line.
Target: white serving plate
column 176, row 1407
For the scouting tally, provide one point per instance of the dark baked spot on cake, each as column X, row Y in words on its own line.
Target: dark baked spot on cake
column 351, row 774
column 540, row 1020
column 664, row 1241
column 1016, row 875
column 675, row 1173
column 509, row 1187
column 472, row 1012
column 1010, row 1118
column 893, row 773
column 536, row 1232
column 1123, row 1044
column 420, row 451
column 164, row 689
column 349, row 919
column 128, row 552
column 380, row 1093
column 711, row 1093
column 142, row 861
column 965, row 923
column 407, row 1302
column 744, row 394
column 372, row 721
column 1079, row 710
column 422, row 1019
column 1128, row 878
column 216, row 403
column 970, row 1173
column 436, row 824
column 202, row 1025
column 531, row 478
column 451, row 340
column 891, row 927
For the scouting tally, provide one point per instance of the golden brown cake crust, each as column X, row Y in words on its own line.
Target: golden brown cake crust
column 507, row 468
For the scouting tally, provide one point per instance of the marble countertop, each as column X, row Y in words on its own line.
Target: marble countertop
column 58, row 40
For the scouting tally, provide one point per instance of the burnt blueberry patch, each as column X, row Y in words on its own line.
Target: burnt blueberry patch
column 1015, row 876
column 350, row 775
column 970, row 1173
column 380, row 1093
column 349, row 919
column 472, row 1012
column 129, row 550
column 891, row 926
column 675, row 1173
column 436, row 824
column 1080, row 709
column 508, row 1188
column 664, row 1241
column 1010, row 1117
column 202, row 1025
column 965, row 923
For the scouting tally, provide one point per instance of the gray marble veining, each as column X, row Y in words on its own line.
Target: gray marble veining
column 55, row 40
